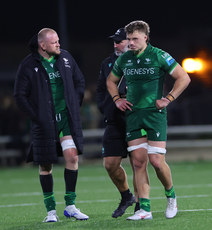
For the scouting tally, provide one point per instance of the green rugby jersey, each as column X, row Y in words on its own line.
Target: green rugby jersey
column 56, row 84
column 145, row 74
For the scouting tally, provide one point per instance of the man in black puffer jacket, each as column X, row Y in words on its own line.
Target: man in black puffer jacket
column 49, row 88
column 114, row 144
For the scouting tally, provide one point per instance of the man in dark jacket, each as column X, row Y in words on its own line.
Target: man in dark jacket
column 114, row 144
column 49, row 88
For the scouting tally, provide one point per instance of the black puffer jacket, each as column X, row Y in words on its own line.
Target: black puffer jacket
column 33, row 95
column 112, row 115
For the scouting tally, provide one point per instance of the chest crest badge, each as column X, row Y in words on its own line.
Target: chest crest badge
column 147, row 61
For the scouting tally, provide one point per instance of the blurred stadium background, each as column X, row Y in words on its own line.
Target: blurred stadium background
column 185, row 31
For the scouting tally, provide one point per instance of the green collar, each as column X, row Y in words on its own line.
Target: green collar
column 47, row 60
column 146, row 49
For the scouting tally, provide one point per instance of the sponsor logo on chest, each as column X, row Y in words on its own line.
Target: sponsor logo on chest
column 139, row 71
column 143, row 69
column 54, row 75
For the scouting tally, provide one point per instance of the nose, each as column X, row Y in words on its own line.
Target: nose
column 130, row 42
column 58, row 44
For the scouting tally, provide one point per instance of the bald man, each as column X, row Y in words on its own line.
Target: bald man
column 49, row 88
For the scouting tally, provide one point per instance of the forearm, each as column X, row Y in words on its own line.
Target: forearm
column 112, row 87
column 179, row 86
column 182, row 81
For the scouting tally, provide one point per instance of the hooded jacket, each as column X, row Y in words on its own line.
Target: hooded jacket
column 33, row 95
column 112, row 115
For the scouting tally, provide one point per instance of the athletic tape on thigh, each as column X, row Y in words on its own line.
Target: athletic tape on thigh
column 68, row 144
column 134, row 147
column 156, row 150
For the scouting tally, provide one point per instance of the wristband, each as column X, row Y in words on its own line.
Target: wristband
column 115, row 96
column 116, row 99
column 170, row 97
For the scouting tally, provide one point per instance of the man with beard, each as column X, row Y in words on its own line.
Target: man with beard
column 49, row 88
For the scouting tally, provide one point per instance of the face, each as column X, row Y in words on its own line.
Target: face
column 51, row 44
column 137, row 40
column 121, row 47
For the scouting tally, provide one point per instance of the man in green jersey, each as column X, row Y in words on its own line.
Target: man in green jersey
column 49, row 88
column 144, row 68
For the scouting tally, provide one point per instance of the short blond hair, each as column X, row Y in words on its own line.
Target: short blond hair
column 42, row 33
column 138, row 25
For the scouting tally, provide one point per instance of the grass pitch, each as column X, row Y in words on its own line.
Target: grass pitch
column 22, row 208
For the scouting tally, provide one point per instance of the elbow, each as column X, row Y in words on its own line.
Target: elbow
column 188, row 80
column 108, row 83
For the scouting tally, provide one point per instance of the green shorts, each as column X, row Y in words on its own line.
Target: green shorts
column 62, row 124
column 153, row 121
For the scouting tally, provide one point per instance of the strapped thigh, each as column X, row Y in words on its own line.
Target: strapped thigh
column 156, row 150
column 68, row 144
column 134, row 147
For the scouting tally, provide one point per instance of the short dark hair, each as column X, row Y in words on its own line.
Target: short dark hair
column 138, row 25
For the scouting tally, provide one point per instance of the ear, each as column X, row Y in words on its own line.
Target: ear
column 43, row 46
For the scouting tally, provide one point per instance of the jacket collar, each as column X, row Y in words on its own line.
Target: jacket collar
column 36, row 56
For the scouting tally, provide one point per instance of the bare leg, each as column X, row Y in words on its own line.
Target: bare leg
column 116, row 172
column 161, row 167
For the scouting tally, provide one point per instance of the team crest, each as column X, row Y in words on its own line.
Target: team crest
column 157, row 134
column 66, row 62
column 147, row 61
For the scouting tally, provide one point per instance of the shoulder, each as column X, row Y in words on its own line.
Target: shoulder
column 125, row 57
column 65, row 54
column 65, row 58
column 165, row 60
column 159, row 52
column 127, row 54
column 109, row 61
column 163, row 57
column 28, row 62
column 156, row 50
column 28, row 59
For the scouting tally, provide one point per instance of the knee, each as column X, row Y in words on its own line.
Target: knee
column 111, row 166
column 155, row 162
column 71, row 156
column 139, row 164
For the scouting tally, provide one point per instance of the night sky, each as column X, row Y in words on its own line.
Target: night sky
column 88, row 20
column 180, row 27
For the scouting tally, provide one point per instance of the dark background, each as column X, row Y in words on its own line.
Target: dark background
column 181, row 28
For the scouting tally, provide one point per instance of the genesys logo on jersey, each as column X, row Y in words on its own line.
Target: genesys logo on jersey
column 139, row 71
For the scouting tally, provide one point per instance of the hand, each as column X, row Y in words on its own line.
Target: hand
column 162, row 103
column 123, row 104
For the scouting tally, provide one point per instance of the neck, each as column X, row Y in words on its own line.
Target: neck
column 141, row 50
column 44, row 54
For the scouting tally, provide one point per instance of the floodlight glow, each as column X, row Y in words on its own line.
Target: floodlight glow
column 192, row 65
